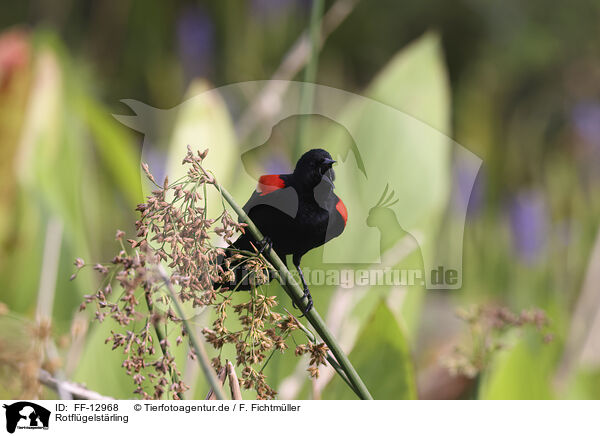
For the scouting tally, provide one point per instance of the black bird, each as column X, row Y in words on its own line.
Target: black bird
column 296, row 212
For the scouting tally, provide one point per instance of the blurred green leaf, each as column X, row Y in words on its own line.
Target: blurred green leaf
column 114, row 147
column 100, row 368
column 382, row 358
column 203, row 122
column 524, row 372
column 585, row 385
column 409, row 151
column 415, row 81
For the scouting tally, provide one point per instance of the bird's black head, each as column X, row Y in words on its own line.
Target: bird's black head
column 313, row 166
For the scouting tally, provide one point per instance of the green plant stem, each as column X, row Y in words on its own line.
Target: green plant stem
column 296, row 294
column 334, row 364
column 196, row 345
column 161, row 338
column 310, row 73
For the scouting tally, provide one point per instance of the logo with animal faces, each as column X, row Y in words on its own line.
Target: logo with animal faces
column 24, row 415
column 395, row 174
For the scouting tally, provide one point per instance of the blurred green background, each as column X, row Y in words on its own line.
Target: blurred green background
column 517, row 83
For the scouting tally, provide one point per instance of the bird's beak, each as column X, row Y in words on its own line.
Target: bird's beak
column 328, row 162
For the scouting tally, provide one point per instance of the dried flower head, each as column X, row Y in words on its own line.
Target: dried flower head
column 174, row 230
column 487, row 327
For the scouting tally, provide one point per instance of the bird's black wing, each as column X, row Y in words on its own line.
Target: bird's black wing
column 272, row 207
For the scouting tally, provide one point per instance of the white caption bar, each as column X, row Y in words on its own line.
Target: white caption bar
column 301, row 417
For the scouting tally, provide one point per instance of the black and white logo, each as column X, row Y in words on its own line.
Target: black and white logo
column 26, row 415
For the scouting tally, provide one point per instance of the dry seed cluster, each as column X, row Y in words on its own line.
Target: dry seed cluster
column 486, row 324
column 174, row 230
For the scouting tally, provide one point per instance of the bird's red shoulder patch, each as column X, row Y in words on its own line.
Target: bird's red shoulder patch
column 270, row 183
column 341, row 208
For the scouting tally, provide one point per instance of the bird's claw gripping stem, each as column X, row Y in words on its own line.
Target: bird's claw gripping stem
column 309, row 303
column 265, row 244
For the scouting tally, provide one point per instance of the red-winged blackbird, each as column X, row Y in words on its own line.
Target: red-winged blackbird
column 295, row 212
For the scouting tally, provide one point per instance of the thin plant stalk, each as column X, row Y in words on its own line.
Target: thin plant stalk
column 234, row 384
column 161, row 339
column 221, row 376
column 198, row 346
column 293, row 61
column 76, row 391
column 336, row 366
column 310, row 72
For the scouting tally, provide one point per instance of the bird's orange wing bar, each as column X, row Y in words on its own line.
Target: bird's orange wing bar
column 341, row 208
column 269, row 183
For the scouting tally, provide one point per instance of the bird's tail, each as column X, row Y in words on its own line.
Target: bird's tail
column 240, row 273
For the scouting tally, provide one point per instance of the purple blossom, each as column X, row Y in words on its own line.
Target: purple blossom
column 528, row 217
column 157, row 162
column 195, row 41
column 268, row 9
column 586, row 119
column 468, row 186
column 277, row 164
